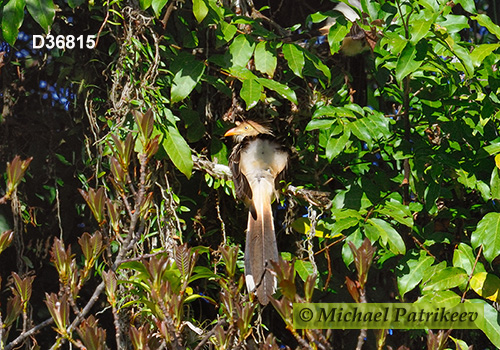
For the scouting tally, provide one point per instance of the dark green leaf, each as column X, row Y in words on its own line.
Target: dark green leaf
column 42, row 11
column 186, row 78
column 75, row 3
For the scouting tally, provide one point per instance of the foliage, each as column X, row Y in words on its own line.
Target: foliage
column 393, row 195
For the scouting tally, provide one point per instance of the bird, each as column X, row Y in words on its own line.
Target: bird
column 258, row 163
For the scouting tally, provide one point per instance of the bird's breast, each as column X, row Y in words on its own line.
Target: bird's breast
column 261, row 158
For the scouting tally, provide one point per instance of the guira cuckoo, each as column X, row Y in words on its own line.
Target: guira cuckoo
column 258, row 163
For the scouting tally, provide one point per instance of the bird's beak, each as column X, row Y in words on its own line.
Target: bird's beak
column 232, row 132
column 237, row 130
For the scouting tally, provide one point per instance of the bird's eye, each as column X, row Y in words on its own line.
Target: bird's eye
column 246, row 127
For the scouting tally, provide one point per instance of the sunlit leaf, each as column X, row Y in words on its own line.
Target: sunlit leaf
column 388, row 235
column 241, row 50
column 486, row 285
column 412, row 270
column 265, row 58
column 251, row 91
column 407, row 62
column 491, row 326
column 449, row 277
column 485, row 21
column 200, row 10
column 295, row 58
column 177, row 149
column 280, row 88
column 487, row 234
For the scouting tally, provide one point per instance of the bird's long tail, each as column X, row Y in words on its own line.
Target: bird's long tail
column 261, row 245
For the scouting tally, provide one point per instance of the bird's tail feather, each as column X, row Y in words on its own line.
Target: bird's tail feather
column 261, row 245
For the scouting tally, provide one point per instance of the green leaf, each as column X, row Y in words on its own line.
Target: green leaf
column 465, row 58
column 304, row 269
column 361, row 130
column 12, row 18
column 487, row 234
column 468, row 5
column 303, row 225
column 481, row 52
column 491, row 326
column 340, row 225
column 336, row 144
column 318, row 64
column 177, row 149
column 454, row 23
column 407, row 62
column 464, row 257
column 357, row 238
column 337, row 33
column 158, row 6
column 227, row 32
column 75, row 3
column 281, row 89
column 388, row 235
column 398, row 211
column 316, row 124
column 430, row 5
column 43, row 12
column 447, row 278
column 486, row 285
column 420, row 26
column 145, row 4
column 295, row 58
column 200, row 10
column 495, row 184
column 265, row 59
column 485, row 21
column 241, row 50
column 412, row 270
column 187, row 77
column 448, row 297
column 251, row 92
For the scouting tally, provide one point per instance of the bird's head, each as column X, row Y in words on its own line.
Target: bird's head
column 247, row 128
